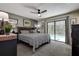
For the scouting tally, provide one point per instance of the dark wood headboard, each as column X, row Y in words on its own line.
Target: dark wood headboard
column 25, row 28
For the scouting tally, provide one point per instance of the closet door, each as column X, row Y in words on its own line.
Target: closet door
column 60, row 31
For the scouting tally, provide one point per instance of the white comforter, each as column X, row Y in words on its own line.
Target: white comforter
column 35, row 39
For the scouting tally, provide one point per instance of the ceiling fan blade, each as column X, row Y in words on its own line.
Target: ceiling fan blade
column 31, row 7
column 43, row 11
column 34, row 12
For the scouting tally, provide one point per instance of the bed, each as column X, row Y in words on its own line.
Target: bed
column 34, row 39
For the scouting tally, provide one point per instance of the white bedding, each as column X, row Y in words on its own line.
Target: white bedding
column 35, row 39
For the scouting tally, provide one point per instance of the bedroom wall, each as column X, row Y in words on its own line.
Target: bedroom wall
column 74, row 14
column 20, row 19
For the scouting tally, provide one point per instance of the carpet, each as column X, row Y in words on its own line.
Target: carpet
column 54, row 48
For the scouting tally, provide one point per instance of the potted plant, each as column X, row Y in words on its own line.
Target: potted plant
column 7, row 28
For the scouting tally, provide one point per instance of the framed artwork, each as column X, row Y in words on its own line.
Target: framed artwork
column 74, row 21
column 13, row 21
column 0, row 22
column 26, row 23
column 0, row 19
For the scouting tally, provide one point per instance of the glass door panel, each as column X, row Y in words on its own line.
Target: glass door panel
column 60, row 31
column 51, row 30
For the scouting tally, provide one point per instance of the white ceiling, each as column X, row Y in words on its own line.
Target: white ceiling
column 23, row 9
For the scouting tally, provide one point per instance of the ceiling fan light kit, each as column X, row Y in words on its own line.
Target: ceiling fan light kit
column 39, row 15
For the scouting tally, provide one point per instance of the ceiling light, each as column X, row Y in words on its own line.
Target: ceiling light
column 39, row 15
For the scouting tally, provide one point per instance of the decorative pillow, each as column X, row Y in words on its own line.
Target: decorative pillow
column 31, row 31
column 35, row 31
column 24, row 32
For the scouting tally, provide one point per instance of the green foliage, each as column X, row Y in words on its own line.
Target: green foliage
column 7, row 27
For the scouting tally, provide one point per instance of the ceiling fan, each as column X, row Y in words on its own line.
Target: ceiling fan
column 39, row 12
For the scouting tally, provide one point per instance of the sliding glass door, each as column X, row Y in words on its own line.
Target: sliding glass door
column 56, row 30
column 51, row 30
column 60, row 31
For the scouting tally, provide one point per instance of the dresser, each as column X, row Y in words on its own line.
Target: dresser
column 8, row 45
column 75, row 40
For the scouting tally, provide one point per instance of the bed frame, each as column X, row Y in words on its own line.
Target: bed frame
column 25, row 28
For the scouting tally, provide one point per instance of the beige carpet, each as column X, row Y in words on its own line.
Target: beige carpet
column 54, row 48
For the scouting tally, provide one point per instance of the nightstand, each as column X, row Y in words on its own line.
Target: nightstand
column 8, row 45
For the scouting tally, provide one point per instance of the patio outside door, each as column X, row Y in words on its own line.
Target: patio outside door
column 56, row 29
